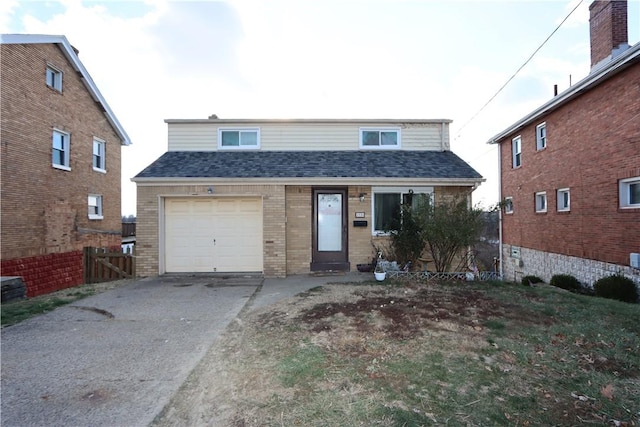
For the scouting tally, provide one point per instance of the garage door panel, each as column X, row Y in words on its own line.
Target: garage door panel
column 193, row 225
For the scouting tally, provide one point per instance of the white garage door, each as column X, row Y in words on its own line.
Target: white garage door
column 213, row 235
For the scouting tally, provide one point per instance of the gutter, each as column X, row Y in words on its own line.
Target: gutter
column 177, row 181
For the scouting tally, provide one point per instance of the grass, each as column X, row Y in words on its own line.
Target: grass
column 13, row 312
column 472, row 354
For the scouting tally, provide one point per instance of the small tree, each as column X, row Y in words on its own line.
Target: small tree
column 407, row 243
column 448, row 228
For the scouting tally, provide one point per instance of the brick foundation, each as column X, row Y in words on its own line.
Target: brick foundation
column 46, row 273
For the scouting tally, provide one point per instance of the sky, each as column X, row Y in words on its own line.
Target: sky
column 422, row 59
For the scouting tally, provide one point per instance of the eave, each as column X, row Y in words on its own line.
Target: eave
column 598, row 76
column 77, row 65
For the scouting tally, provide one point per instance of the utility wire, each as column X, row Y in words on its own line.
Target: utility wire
column 518, row 70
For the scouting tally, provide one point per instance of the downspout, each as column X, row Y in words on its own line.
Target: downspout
column 442, row 145
column 500, row 209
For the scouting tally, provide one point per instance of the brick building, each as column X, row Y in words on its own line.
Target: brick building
column 60, row 164
column 282, row 197
column 570, row 170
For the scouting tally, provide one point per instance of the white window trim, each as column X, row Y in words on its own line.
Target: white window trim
column 57, row 83
column 397, row 130
column 239, row 147
column 99, row 200
column 508, row 205
column 624, row 186
column 560, row 199
column 67, row 151
column 542, row 195
column 539, row 140
column 387, row 190
column 102, row 155
column 513, row 151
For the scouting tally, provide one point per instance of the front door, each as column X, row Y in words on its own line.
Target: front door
column 330, row 230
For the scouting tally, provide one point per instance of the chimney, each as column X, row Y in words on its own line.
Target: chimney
column 608, row 29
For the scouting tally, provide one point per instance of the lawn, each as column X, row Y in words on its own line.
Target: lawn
column 411, row 354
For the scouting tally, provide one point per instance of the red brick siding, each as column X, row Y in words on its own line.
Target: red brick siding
column 46, row 273
column 44, row 210
column 592, row 143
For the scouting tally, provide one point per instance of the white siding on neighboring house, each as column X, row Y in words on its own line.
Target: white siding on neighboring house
column 299, row 135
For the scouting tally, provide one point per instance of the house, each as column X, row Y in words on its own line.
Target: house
column 60, row 165
column 570, row 170
column 282, row 197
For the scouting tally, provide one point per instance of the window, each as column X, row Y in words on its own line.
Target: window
column 630, row 193
column 508, row 205
column 98, row 155
column 387, row 203
column 380, row 138
column 564, row 200
column 95, row 206
column 54, row 78
column 516, row 150
column 541, row 136
column 239, row 139
column 541, row 202
column 60, row 150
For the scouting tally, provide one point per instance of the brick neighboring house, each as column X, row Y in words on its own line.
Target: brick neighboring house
column 60, row 164
column 282, row 197
column 570, row 170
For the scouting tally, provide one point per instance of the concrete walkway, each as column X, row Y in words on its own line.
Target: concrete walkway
column 117, row 358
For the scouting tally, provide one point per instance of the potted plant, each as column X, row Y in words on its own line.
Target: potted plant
column 379, row 272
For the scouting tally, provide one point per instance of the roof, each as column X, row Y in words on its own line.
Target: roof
column 300, row 165
column 373, row 122
column 73, row 59
column 599, row 75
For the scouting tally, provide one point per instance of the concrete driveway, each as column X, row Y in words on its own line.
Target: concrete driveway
column 115, row 359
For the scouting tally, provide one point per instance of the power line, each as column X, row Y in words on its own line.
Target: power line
column 519, row 69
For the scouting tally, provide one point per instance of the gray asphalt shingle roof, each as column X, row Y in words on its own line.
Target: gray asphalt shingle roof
column 309, row 164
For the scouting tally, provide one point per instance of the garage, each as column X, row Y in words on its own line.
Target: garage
column 213, row 235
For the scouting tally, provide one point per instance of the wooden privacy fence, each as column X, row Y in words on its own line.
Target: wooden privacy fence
column 104, row 265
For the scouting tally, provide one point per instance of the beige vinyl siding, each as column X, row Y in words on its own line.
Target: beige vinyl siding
column 282, row 136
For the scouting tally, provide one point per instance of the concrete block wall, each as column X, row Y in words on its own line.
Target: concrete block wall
column 46, row 273
column 546, row 264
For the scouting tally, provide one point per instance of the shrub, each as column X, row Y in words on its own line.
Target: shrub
column 565, row 281
column 617, row 287
column 530, row 280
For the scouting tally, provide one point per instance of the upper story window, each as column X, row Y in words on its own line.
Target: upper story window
column 516, row 151
column 630, row 192
column 508, row 205
column 99, row 161
column 380, row 138
column 564, row 200
column 60, row 150
column 54, row 78
column 95, row 206
column 388, row 201
column 541, row 202
column 239, row 139
column 541, row 136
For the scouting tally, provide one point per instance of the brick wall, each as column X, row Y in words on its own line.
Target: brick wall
column 44, row 210
column 592, row 143
column 46, row 273
column 148, row 237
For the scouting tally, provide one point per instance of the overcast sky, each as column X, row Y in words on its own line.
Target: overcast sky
column 158, row 60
